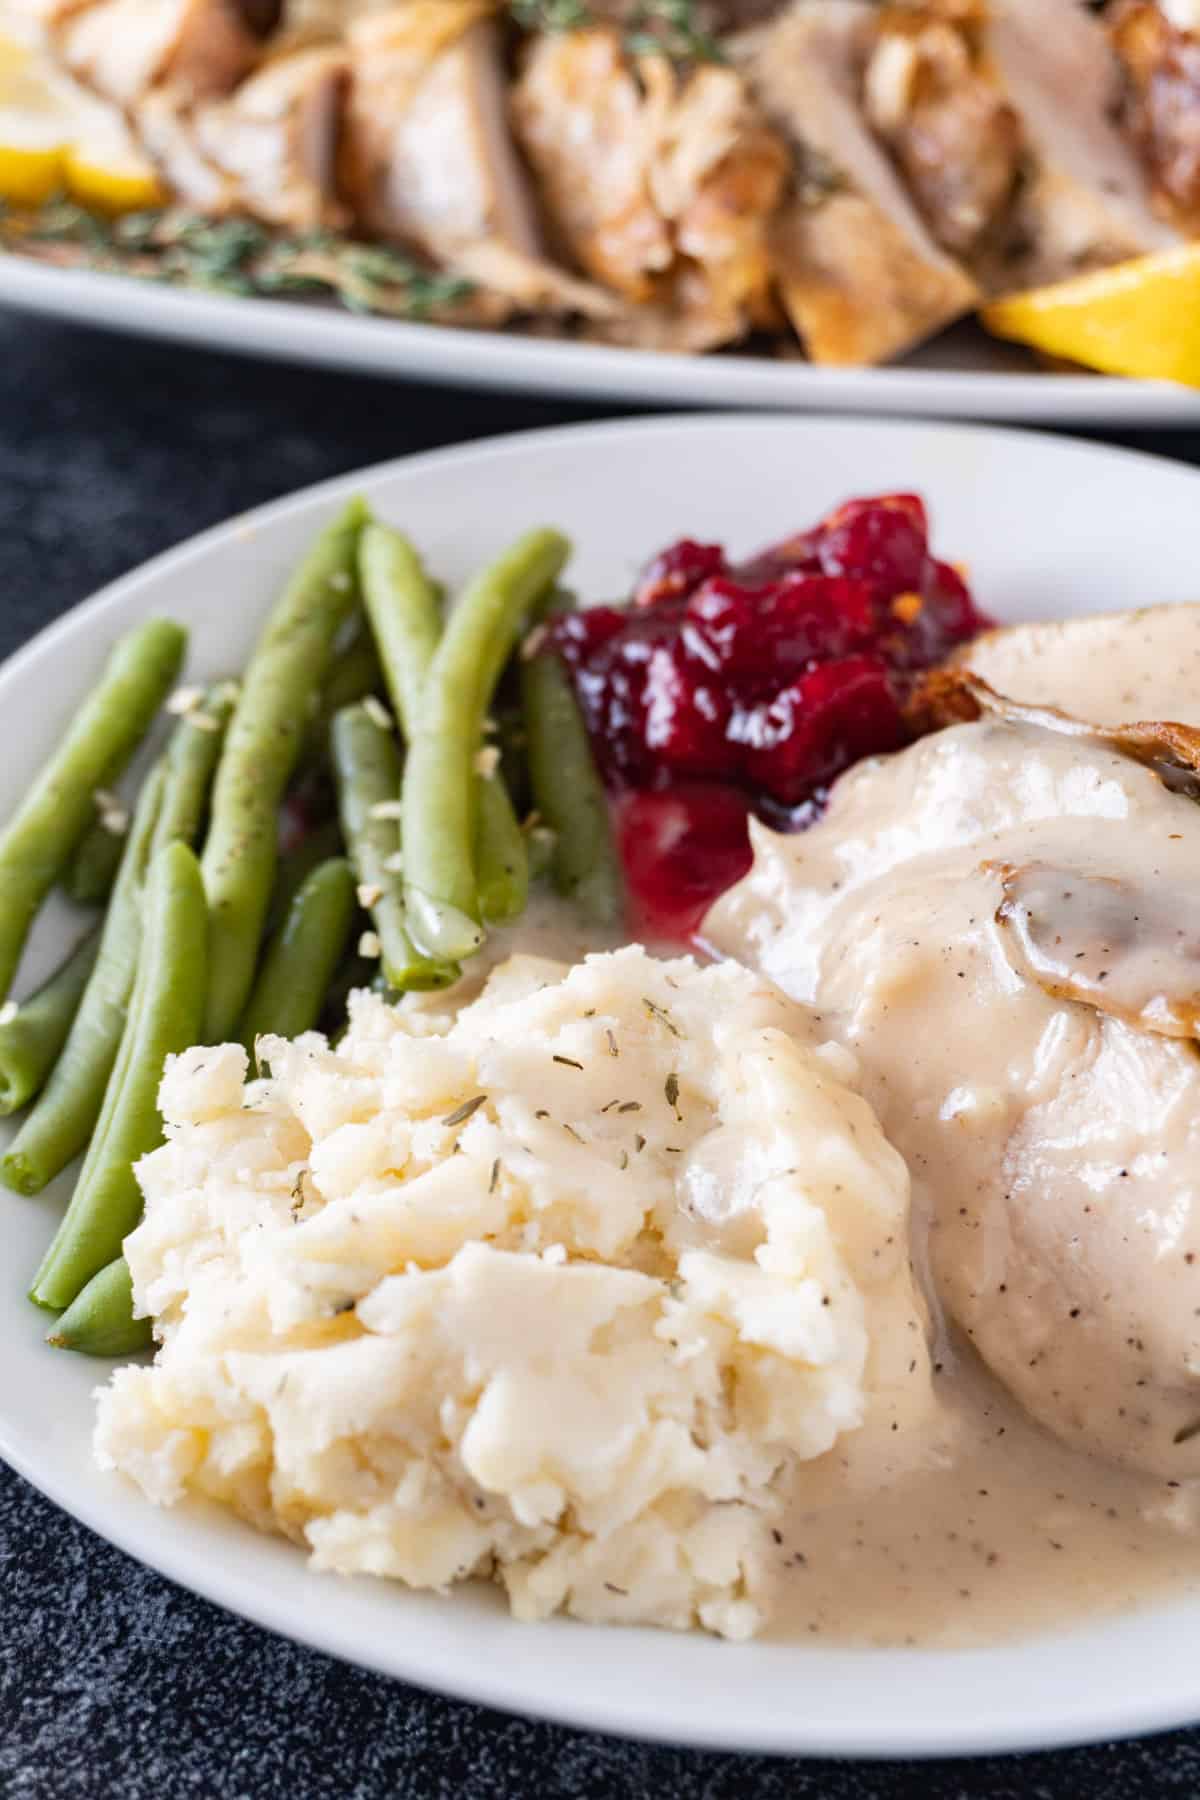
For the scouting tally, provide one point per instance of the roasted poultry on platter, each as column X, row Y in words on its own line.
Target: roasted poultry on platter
column 840, row 177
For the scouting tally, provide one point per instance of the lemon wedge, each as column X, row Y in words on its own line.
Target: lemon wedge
column 1137, row 318
column 55, row 137
column 110, row 179
column 33, row 130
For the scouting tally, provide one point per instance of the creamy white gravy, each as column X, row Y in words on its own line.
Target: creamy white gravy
column 995, row 1531
column 1054, row 1146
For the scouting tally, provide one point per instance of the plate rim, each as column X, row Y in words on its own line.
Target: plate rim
column 334, row 487
column 491, row 1685
column 401, row 349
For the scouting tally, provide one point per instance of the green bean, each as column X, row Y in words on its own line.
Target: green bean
column 366, row 765
column 69, row 1105
column 262, row 746
column 93, row 866
column 355, row 674
column 100, row 1321
column 191, row 758
column 294, row 868
column 439, row 790
column 501, row 857
column 568, row 792
column 402, row 606
column 170, row 806
column 35, row 848
column 301, row 959
column 31, row 1039
column 165, row 1016
column 92, row 869
column 510, row 741
column 539, row 844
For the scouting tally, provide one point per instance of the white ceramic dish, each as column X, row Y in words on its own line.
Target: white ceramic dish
column 961, row 375
column 1049, row 528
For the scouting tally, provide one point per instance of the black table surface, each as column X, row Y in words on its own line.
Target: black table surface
column 112, row 1680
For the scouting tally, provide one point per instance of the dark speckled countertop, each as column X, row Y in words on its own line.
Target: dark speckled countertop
column 114, row 1682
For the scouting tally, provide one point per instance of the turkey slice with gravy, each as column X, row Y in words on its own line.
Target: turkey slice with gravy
column 1001, row 922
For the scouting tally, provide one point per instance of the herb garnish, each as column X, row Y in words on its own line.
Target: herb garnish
column 550, row 15
column 662, row 1016
column 670, row 28
column 463, row 1112
column 237, row 256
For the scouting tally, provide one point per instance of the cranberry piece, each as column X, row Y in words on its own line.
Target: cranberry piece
column 885, row 541
column 817, row 726
column 680, row 849
column 685, row 718
column 580, row 635
column 794, row 556
column 678, row 571
column 769, row 634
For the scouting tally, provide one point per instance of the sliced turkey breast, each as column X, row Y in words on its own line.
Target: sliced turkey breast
column 860, row 274
column 261, row 16
column 426, row 155
column 427, row 158
column 936, row 918
column 1107, row 669
column 1159, row 49
column 931, row 98
column 301, row 22
column 165, row 125
column 1001, row 117
column 123, row 48
column 657, row 182
column 1085, row 200
column 275, row 138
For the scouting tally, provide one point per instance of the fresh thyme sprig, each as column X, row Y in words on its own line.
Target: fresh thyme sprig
column 550, row 15
column 652, row 27
column 670, row 28
column 239, row 256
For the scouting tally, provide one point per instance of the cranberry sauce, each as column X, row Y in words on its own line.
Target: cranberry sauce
column 721, row 690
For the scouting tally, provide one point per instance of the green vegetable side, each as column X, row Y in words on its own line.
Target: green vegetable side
column 345, row 811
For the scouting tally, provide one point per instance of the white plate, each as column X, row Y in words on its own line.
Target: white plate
column 1049, row 528
column 962, row 374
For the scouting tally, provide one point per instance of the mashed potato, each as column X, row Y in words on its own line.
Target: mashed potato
column 554, row 1290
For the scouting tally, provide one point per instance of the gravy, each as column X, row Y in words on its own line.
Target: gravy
column 991, row 1532
column 1055, row 1156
